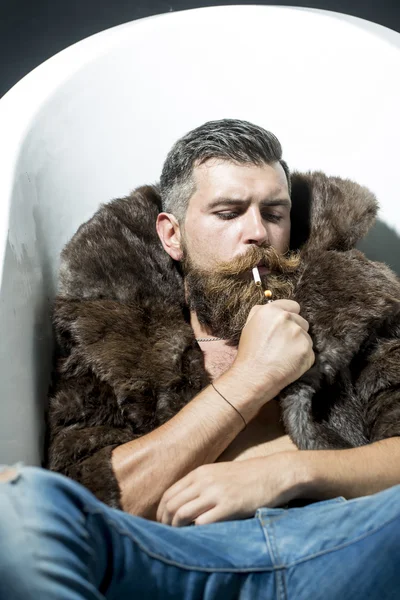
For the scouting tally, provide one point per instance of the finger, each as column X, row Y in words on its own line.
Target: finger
column 304, row 324
column 176, row 488
column 191, row 511
column 173, row 505
column 290, row 305
column 309, row 339
column 312, row 359
column 217, row 514
column 310, row 355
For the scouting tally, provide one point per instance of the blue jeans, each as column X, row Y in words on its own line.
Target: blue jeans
column 58, row 542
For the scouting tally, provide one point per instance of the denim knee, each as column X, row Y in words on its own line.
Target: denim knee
column 43, row 486
column 45, row 545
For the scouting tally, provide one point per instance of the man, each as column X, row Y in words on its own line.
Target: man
column 158, row 373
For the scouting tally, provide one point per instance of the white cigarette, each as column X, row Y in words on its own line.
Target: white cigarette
column 256, row 276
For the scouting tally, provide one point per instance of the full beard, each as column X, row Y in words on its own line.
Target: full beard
column 223, row 297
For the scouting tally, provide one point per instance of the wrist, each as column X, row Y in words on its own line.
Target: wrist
column 259, row 389
column 241, row 391
column 298, row 475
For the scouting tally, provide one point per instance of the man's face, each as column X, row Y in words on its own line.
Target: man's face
column 235, row 207
column 238, row 217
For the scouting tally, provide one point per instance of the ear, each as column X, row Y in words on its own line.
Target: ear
column 169, row 232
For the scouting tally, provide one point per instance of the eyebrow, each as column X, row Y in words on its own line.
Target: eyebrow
column 237, row 202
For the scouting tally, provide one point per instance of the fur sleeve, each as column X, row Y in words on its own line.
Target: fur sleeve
column 112, row 377
column 85, row 421
column 83, row 429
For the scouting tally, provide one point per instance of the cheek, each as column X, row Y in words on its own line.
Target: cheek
column 209, row 249
column 280, row 238
column 201, row 237
column 199, row 247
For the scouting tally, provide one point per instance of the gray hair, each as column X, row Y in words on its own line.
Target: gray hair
column 227, row 139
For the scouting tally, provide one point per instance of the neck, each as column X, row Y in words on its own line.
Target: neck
column 199, row 330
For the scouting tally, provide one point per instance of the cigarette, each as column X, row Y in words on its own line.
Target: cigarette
column 256, row 276
column 257, row 281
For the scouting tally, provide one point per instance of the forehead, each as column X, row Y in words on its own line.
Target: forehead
column 217, row 178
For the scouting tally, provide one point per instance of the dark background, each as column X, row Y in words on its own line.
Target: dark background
column 32, row 31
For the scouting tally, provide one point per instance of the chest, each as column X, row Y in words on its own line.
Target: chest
column 218, row 362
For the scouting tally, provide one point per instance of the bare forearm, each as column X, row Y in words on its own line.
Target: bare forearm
column 197, row 435
column 350, row 473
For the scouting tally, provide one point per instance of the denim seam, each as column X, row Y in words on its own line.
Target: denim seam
column 341, row 546
column 270, row 539
column 271, row 535
column 284, row 575
column 174, row 563
column 280, row 588
column 279, row 577
column 267, row 540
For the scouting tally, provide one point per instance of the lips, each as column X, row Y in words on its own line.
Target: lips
column 262, row 269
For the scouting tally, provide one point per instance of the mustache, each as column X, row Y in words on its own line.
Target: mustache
column 268, row 257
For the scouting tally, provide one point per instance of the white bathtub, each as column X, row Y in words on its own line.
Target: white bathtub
column 98, row 119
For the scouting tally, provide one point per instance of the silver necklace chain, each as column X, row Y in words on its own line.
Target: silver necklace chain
column 208, row 339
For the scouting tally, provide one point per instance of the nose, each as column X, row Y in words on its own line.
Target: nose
column 255, row 231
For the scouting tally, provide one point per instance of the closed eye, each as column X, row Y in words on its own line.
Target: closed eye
column 227, row 216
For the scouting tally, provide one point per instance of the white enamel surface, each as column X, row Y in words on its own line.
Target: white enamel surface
column 98, row 119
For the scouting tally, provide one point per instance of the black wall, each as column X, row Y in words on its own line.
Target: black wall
column 32, row 31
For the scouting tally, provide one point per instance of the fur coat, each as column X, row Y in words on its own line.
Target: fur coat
column 126, row 356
